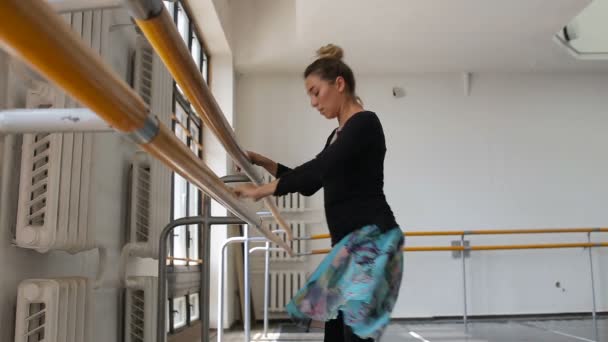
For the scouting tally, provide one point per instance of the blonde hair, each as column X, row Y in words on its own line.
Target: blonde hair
column 329, row 66
column 330, row 51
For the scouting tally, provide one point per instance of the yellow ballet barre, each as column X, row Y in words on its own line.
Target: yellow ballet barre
column 485, row 248
column 157, row 25
column 33, row 31
column 488, row 232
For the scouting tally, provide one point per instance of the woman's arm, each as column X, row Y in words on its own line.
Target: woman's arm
column 358, row 135
column 307, row 175
column 274, row 168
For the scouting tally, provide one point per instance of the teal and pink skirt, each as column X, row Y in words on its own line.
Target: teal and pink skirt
column 360, row 277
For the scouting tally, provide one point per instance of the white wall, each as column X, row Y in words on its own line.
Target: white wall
column 522, row 151
column 214, row 18
column 216, row 158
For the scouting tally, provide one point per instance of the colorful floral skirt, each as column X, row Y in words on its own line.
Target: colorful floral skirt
column 360, row 277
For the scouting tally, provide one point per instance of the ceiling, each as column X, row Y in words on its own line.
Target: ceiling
column 404, row 36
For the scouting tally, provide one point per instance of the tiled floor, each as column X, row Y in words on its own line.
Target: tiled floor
column 562, row 330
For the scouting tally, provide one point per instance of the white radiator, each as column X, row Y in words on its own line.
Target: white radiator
column 283, row 286
column 150, row 200
column 54, row 185
column 53, row 310
column 290, row 202
column 141, row 306
column 143, row 70
column 141, row 180
column 56, row 168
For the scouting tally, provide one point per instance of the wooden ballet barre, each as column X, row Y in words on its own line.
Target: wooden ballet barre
column 157, row 25
column 34, row 32
column 484, row 248
column 485, row 232
column 188, row 260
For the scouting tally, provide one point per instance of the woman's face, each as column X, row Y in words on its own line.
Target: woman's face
column 327, row 97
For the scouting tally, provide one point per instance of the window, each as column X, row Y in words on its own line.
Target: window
column 190, row 36
column 186, row 198
column 182, row 311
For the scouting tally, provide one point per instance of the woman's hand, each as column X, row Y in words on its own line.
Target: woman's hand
column 248, row 191
column 254, row 192
column 254, row 158
column 260, row 160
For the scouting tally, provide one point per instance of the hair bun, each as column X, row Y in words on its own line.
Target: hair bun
column 330, row 51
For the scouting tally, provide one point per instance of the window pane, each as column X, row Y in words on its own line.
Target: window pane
column 194, row 246
column 180, row 209
column 180, row 186
column 179, row 245
column 183, row 24
column 205, row 67
column 179, row 312
column 196, row 51
column 193, row 210
column 180, row 113
column 180, row 132
column 168, row 306
column 193, row 205
column 170, row 7
column 194, row 131
column 169, row 253
column 194, row 307
column 182, row 118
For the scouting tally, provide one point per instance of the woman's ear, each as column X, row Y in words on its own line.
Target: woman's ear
column 340, row 84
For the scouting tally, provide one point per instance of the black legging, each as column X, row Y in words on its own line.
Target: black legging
column 337, row 331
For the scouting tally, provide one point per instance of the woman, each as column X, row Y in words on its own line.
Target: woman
column 355, row 287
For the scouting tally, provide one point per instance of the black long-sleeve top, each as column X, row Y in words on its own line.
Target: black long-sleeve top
column 351, row 171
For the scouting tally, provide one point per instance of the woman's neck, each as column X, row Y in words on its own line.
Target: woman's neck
column 348, row 110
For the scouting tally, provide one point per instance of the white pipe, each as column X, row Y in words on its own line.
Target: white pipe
column 101, row 267
column 139, row 249
column 82, row 5
column 8, row 164
column 51, row 120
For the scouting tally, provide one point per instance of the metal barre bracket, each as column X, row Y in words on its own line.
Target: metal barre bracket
column 144, row 9
column 147, row 132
